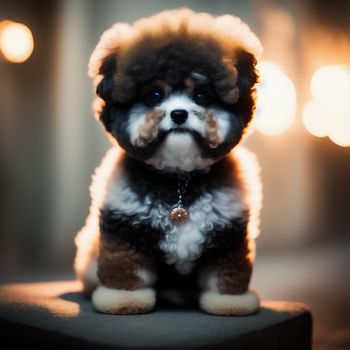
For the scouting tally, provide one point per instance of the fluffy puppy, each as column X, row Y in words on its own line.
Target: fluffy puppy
column 175, row 202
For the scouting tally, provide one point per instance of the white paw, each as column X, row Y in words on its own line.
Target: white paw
column 123, row 302
column 229, row 304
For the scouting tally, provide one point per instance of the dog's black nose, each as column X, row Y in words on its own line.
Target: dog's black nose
column 179, row 116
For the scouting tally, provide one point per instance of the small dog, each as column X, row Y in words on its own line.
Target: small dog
column 175, row 202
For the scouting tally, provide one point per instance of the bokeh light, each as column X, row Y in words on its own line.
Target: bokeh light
column 330, row 85
column 328, row 113
column 276, row 106
column 16, row 41
column 339, row 130
column 315, row 119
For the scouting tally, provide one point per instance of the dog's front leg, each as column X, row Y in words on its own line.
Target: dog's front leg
column 126, row 278
column 225, row 281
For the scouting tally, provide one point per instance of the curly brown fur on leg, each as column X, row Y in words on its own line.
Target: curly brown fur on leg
column 126, row 276
column 225, row 284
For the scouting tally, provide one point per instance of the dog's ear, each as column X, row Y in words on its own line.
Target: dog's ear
column 247, row 73
column 105, row 87
column 104, row 90
column 103, row 60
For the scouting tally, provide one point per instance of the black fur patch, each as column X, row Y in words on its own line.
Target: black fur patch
column 106, row 86
column 162, row 188
column 221, row 241
column 105, row 90
column 247, row 74
column 173, row 63
column 145, row 239
column 247, row 78
column 140, row 236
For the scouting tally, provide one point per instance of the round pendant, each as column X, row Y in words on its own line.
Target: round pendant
column 178, row 215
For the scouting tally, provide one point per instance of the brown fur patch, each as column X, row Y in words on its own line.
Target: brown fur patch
column 211, row 129
column 118, row 264
column 160, row 84
column 166, row 88
column 211, row 132
column 233, row 271
column 190, row 85
column 148, row 130
column 194, row 81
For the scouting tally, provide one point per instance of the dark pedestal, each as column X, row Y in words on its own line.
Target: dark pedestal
column 56, row 315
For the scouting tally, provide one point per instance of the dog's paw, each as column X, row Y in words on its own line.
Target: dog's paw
column 123, row 302
column 229, row 304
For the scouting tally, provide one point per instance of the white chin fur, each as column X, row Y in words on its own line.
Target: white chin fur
column 179, row 151
column 229, row 304
column 123, row 302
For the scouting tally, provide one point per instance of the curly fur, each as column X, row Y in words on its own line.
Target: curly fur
column 148, row 129
column 168, row 46
column 128, row 234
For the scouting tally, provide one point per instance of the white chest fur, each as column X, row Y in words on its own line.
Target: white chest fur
column 182, row 244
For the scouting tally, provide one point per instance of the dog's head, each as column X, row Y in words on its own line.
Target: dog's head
column 176, row 90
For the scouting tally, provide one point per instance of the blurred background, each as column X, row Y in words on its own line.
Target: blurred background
column 50, row 142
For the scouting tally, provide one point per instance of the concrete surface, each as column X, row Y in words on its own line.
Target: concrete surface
column 55, row 314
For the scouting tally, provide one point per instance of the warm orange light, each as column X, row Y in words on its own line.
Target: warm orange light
column 328, row 114
column 276, row 100
column 339, row 131
column 315, row 119
column 46, row 296
column 16, row 41
column 331, row 85
column 87, row 239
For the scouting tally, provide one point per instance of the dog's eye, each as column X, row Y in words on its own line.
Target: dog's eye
column 153, row 97
column 201, row 97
